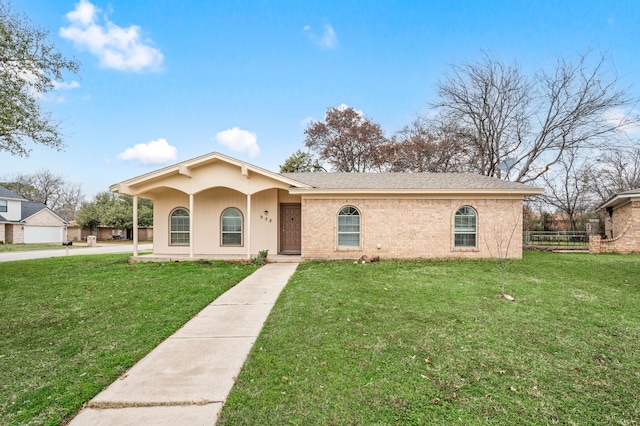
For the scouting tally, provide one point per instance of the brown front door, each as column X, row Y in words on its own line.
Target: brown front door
column 290, row 229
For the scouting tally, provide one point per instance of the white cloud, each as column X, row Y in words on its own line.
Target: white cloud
column 626, row 120
column 239, row 140
column 327, row 40
column 154, row 152
column 32, row 80
column 344, row 106
column 63, row 85
column 119, row 48
column 306, row 121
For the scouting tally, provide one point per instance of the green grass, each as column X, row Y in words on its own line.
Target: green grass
column 76, row 244
column 429, row 342
column 29, row 247
column 72, row 325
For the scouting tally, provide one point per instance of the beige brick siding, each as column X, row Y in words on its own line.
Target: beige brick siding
column 18, row 234
column 44, row 218
column 411, row 227
column 622, row 230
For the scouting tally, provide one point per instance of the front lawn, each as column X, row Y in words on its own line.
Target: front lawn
column 428, row 342
column 71, row 325
column 31, row 247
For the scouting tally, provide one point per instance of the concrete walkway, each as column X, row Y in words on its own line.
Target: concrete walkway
column 186, row 379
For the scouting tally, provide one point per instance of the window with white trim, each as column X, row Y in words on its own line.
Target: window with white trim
column 348, row 227
column 179, row 227
column 231, row 226
column 3, row 206
column 465, row 227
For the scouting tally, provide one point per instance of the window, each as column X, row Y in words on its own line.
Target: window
column 179, row 229
column 349, row 227
column 3, row 206
column 465, row 227
column 231, row 227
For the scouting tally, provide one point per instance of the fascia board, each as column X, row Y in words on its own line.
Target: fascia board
column 383, row 192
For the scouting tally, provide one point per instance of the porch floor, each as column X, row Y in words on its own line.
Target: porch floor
column 275, row 258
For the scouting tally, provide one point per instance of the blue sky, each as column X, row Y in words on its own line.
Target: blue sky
column 164, row 81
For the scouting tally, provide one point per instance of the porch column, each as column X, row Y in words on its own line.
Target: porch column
column 135, row 225
column 190, row 226
column 247, row 237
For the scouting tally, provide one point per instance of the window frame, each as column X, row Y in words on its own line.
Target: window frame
column 345, row 233
column 223, row 232
column 463, row 231
column 4, row 206
column 173, row 232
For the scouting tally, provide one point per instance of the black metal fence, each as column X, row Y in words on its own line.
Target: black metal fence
column 555, row 238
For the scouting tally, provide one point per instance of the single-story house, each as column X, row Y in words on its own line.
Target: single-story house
column 215, row 205
column 76, row 233
column 621, row 224
column 28, row 222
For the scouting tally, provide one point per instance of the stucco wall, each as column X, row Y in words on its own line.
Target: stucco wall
column 162, row 207
column 410, row 227
column 208, row 207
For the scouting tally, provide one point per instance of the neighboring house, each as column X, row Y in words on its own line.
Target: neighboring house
column 76, row 233
column 28, row 222
column 215, row 205
column 621, row 224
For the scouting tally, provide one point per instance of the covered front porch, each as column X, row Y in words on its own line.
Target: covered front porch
column 218, row 207
column 278, row 258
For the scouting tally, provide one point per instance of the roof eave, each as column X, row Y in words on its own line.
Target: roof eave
column 184, row 168
column 618, row 199
column 443, row 191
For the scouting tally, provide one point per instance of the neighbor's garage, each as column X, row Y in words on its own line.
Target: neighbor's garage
column 43, row 234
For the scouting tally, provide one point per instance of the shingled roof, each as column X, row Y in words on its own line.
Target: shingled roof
column 409, row 181
column 29, row 208
column 7, row 194
column 620, row 198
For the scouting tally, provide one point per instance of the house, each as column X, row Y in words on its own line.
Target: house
column 28, row 222
column 621, row 222
column 76, row 233
column 215, row 205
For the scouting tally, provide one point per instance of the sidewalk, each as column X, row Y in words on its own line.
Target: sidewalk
column 99, row 249
column 186, row 379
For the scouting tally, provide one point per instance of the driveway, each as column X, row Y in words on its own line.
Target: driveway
column 99, row 249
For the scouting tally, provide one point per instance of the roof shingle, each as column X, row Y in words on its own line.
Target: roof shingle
column 410, row 181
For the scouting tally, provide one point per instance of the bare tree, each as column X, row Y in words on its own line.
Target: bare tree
column 47, row 187
column 347, row 140
column 568, row 186
column 523, row 125
column 618, row 171
column 29, row 67
column 428, row 146
column 503, row 234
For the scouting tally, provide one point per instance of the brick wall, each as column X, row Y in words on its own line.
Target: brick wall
column 411, row 228
column 624, row 226
column 44, row 218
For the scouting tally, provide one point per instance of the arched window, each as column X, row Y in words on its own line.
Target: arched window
column 348, row 227
column 231, row 226
column 465, row 227
column 179, row 227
